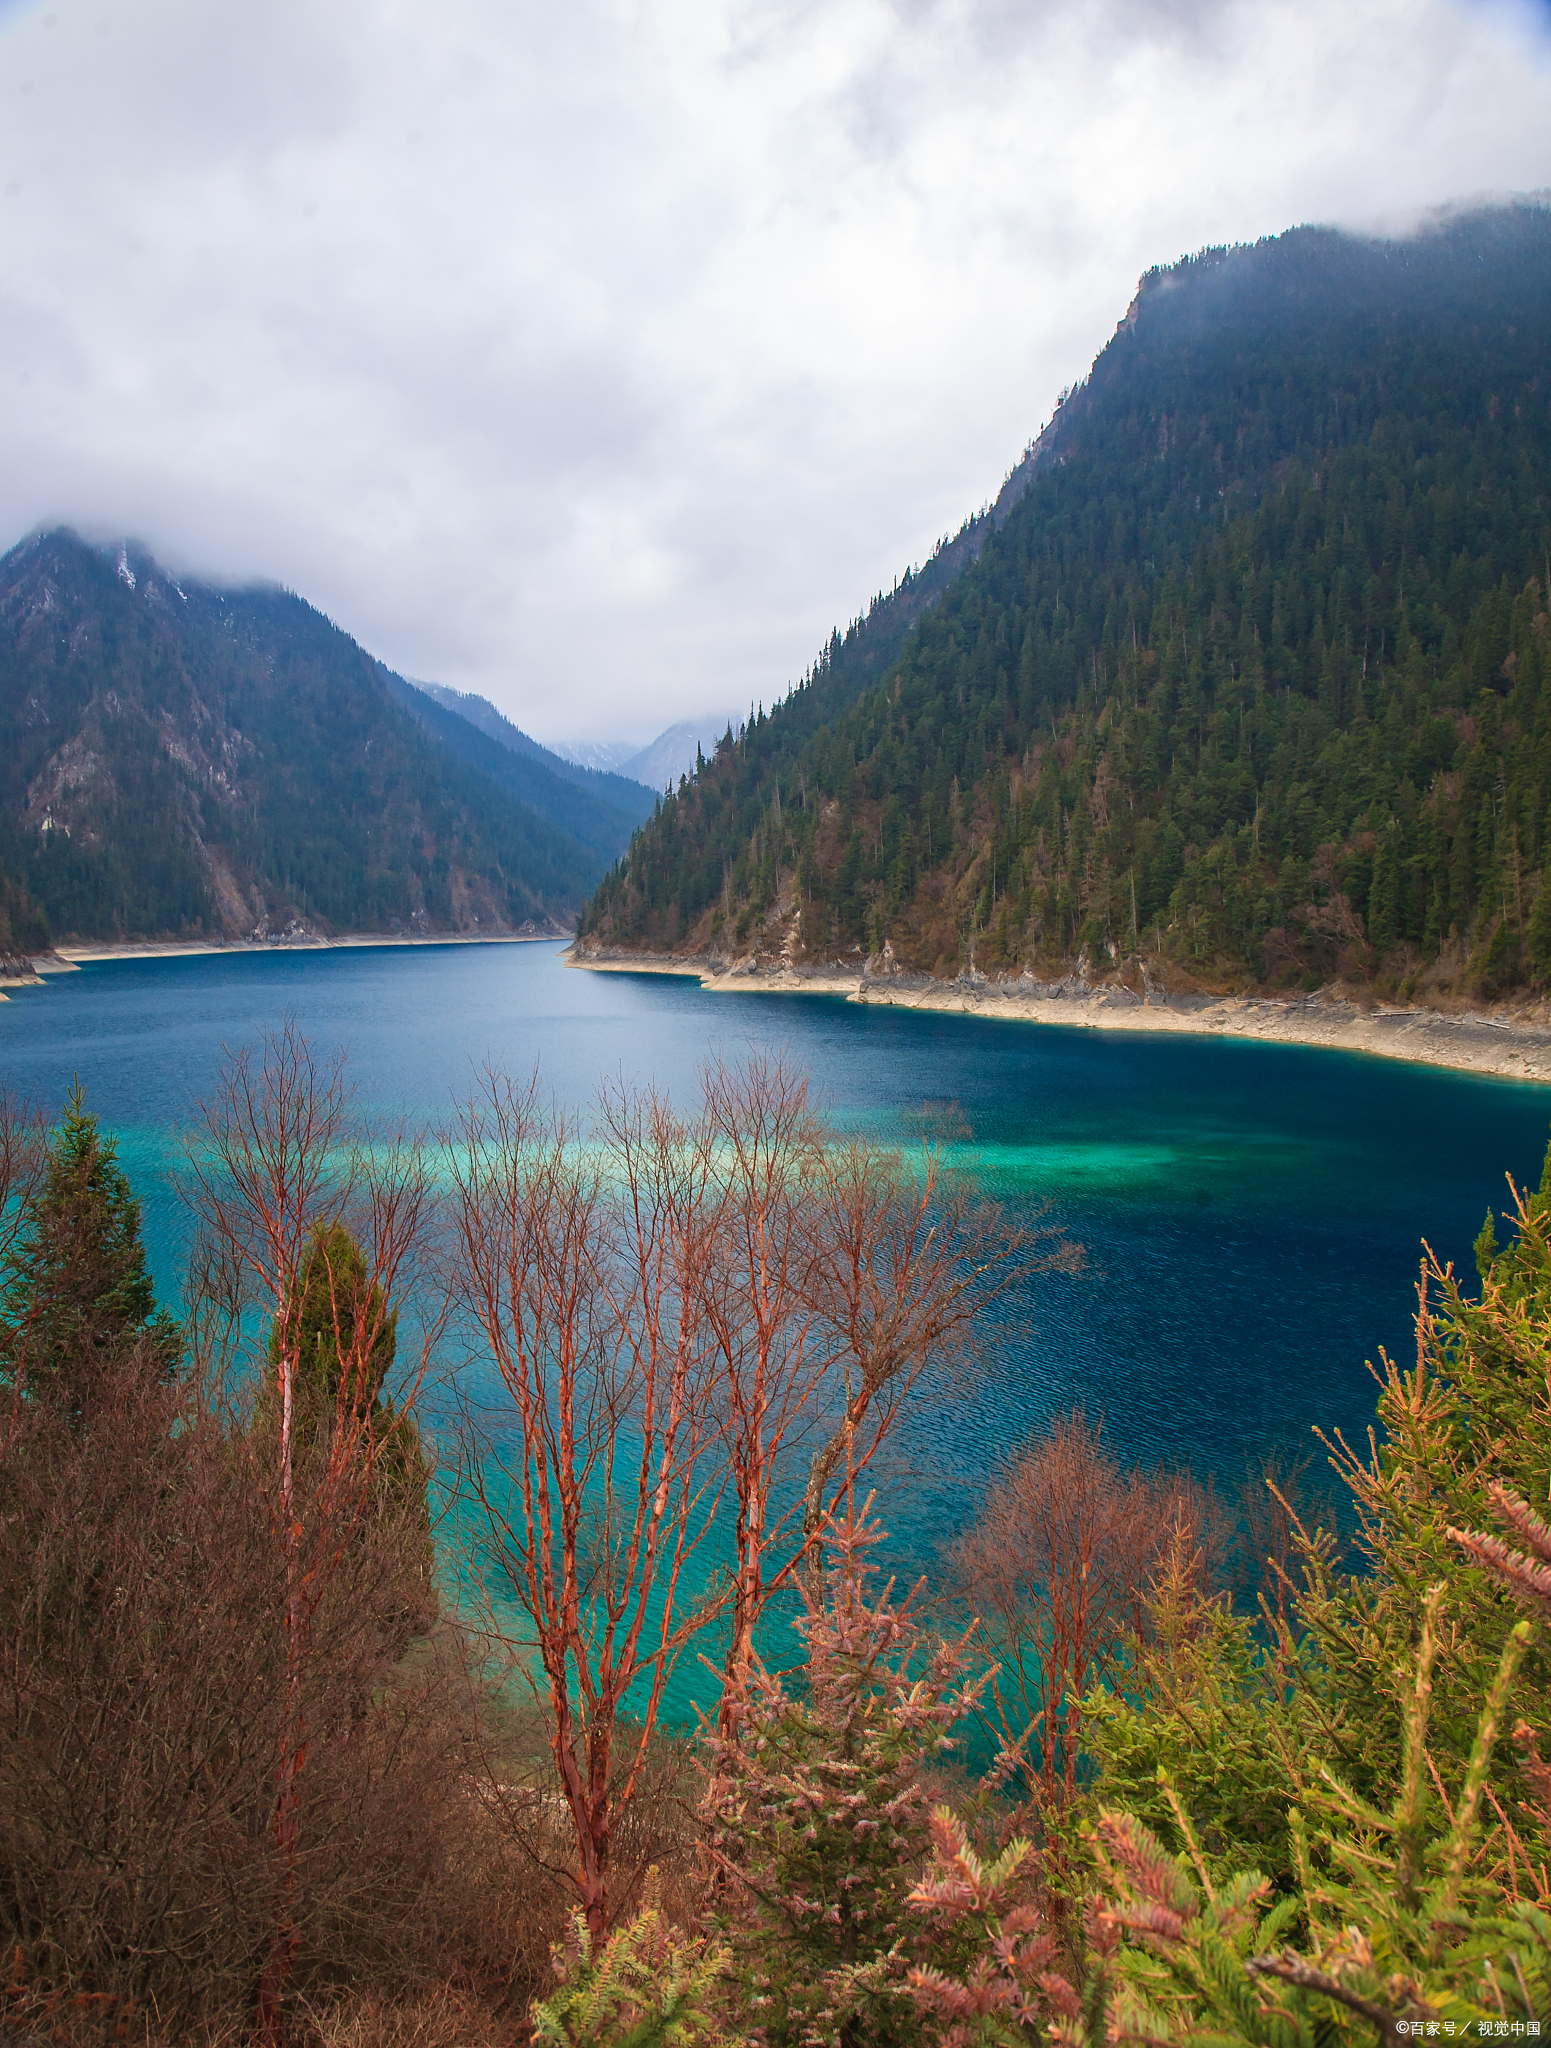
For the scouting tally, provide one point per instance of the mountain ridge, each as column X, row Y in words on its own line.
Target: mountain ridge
column 589, row 811
column 182, row 760
column 1219, row 686
column 621, row 792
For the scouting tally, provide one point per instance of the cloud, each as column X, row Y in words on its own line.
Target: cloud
column 600, row 358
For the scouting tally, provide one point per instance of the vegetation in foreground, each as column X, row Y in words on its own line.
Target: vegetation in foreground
column 259, row 1781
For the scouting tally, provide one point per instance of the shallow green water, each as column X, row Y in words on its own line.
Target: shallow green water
column 1251, row 1214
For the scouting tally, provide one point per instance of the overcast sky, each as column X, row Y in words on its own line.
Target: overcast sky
column 601, row 356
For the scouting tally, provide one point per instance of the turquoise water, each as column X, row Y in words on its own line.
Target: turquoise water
column 1251, row 1214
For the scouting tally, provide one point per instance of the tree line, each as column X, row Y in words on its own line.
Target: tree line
column 335, row 1694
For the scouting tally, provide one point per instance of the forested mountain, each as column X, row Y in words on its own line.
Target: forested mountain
column 622, row 793
column 1245, row 681
column 185, row 760
column 595, row 817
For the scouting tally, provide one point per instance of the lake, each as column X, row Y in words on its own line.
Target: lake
column 1251, row 1214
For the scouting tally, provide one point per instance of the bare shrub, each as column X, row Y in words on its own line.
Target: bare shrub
column 22, row 1158
column 142, row 1694
column 1060, row 1565
column 213, row 1752
column 280, row 1169
column 442, row 2017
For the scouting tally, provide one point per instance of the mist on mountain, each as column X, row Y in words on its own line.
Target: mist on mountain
column 1243, row 682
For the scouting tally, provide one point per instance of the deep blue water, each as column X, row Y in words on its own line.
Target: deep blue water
column 1251, row 1214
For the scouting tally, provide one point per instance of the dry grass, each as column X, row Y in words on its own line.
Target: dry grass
column 442, row 2017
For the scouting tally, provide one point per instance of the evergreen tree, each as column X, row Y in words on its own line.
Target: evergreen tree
column 23, row 927
column 335, row 1302
column 79, row 1296
column 338, row 1314
column 818, row 1813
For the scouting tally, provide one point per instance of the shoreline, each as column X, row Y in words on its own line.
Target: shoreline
column 1502, row 1046
column 1470, row 1042
column 69, row 959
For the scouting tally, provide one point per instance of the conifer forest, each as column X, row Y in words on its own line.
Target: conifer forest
column 1241, row 683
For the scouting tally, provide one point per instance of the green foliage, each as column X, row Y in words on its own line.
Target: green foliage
column 1251, row 679
column 340, row 1331
column 1485, row 1246
column 185, row 760
column 1472, row 1416
column 647, row 1987
column 1209, row 1705
column 23, row 927
column 819, row 1819
column 1402, row 1919
column 1398, row 1916
column 78, row 1296
column 344, row 1337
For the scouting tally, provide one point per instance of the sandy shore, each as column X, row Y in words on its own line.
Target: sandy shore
column 1475, row 1042
column 66, row 959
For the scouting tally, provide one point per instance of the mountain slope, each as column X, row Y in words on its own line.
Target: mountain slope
column 23, row 928
column 594, row 821
column 659, row 765
column 193, row 761
column 1244, row 681
column 617, row 792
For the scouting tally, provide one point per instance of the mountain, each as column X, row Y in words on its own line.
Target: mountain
column 181, row 760
column 655, row 767
column 616, row 791
column 589, row 811
column 671, row 755
column 1243, row 682
column 608, row 755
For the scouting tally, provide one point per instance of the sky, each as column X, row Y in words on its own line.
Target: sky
column 601, row 357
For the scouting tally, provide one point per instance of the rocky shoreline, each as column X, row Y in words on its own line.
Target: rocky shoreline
column 1514, row 1045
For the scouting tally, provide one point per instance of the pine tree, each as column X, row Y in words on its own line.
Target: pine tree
column 79, row 1298
column 336, row 1313
column 1539, row 935
column 334, row 1303
column 819, row 1816
column 1485, row 1246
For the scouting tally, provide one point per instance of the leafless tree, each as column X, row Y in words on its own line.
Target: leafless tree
column 279, row 1154
column 584, row 1270
column 906, row 1256
column 23, row 1142
column 680, row 1310
column 1060, row 1566
column 843, row 1269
